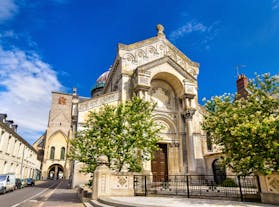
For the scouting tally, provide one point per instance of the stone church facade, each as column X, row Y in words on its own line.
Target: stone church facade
column 155, row 70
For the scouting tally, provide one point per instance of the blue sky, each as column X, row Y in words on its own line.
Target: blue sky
column 54, row 45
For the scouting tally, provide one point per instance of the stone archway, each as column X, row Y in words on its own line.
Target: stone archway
column 219, row 171
column 55, row 171
column 166, row 160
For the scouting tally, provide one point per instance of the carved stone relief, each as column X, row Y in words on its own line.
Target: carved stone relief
column 162, row 94
column 273, row 183
column 161, row 97
column 137, row 57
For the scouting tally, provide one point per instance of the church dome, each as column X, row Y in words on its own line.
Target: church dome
column 103, row 78
column 100, row 84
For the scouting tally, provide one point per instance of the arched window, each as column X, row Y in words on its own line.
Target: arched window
column 52, row 153
column 62, row 155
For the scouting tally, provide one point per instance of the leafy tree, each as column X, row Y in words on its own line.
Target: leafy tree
column 126, row 134
column 247, row 128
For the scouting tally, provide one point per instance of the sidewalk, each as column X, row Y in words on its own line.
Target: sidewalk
column 62, row 196
column 139, row 201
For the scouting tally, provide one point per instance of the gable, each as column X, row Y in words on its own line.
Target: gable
column 168, row 65
column 138, row 54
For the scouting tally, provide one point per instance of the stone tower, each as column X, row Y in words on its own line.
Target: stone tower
column 56, row 141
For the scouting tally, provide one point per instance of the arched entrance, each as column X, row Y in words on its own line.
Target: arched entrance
column 164, row 90
column 55, row 172
column 219, row 171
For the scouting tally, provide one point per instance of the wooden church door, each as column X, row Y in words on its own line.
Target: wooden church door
column 159, row 164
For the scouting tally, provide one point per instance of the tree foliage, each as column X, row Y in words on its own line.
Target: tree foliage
column 126, row 134
column 247, row 129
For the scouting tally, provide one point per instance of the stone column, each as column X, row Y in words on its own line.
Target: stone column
column 102, row 178
column 126, row 87
column 269, row 188
column 146, row 168
column 187, row 142
column 188, row 115
column 141, row 94
column 55, row 172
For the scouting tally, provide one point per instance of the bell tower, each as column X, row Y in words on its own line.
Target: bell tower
column 59, row 131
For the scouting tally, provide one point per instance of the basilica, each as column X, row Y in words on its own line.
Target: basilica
column 154, row 70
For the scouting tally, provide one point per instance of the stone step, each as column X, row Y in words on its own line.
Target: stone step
column 111, row 202
column 87, row 204
column 94, row 203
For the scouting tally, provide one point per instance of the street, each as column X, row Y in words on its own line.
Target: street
column 43, row 194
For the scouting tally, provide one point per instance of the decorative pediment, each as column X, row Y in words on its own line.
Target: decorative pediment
column 147, row 67
column 141, row 53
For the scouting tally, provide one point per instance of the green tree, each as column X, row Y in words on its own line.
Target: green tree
column 126, row 134
column 247, row 129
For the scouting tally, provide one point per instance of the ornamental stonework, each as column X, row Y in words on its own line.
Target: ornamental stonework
column 273, row 183
column 98, row 101
column 134, row 58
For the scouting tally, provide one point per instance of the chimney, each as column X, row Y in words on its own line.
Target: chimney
column 9, row 123
column 3, row 118
column 241, row 84
column 14, row 127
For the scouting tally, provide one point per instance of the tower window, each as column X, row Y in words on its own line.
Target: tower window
column 52, row 153
column 62, row 155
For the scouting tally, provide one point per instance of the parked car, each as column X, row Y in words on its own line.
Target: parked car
column 18, row 183
column 30, row 182
column 23, row 182
column 7, row 182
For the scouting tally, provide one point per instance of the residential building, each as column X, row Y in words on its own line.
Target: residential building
column 16, row 154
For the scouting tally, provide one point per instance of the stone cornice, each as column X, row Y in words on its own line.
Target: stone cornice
column 98, row 101
column 137, row 45
column 62, row 93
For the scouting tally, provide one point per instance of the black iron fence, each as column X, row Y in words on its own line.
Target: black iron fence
column 201, row 186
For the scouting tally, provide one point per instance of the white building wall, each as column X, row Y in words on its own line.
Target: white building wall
column 16, row 155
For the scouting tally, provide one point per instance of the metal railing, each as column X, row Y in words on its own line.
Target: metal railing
column 202, row 186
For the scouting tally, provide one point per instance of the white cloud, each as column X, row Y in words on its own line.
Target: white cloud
column 204, row 34
column 8, row 9
column 189, row 27
column 275, row 4
column 26, row 83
